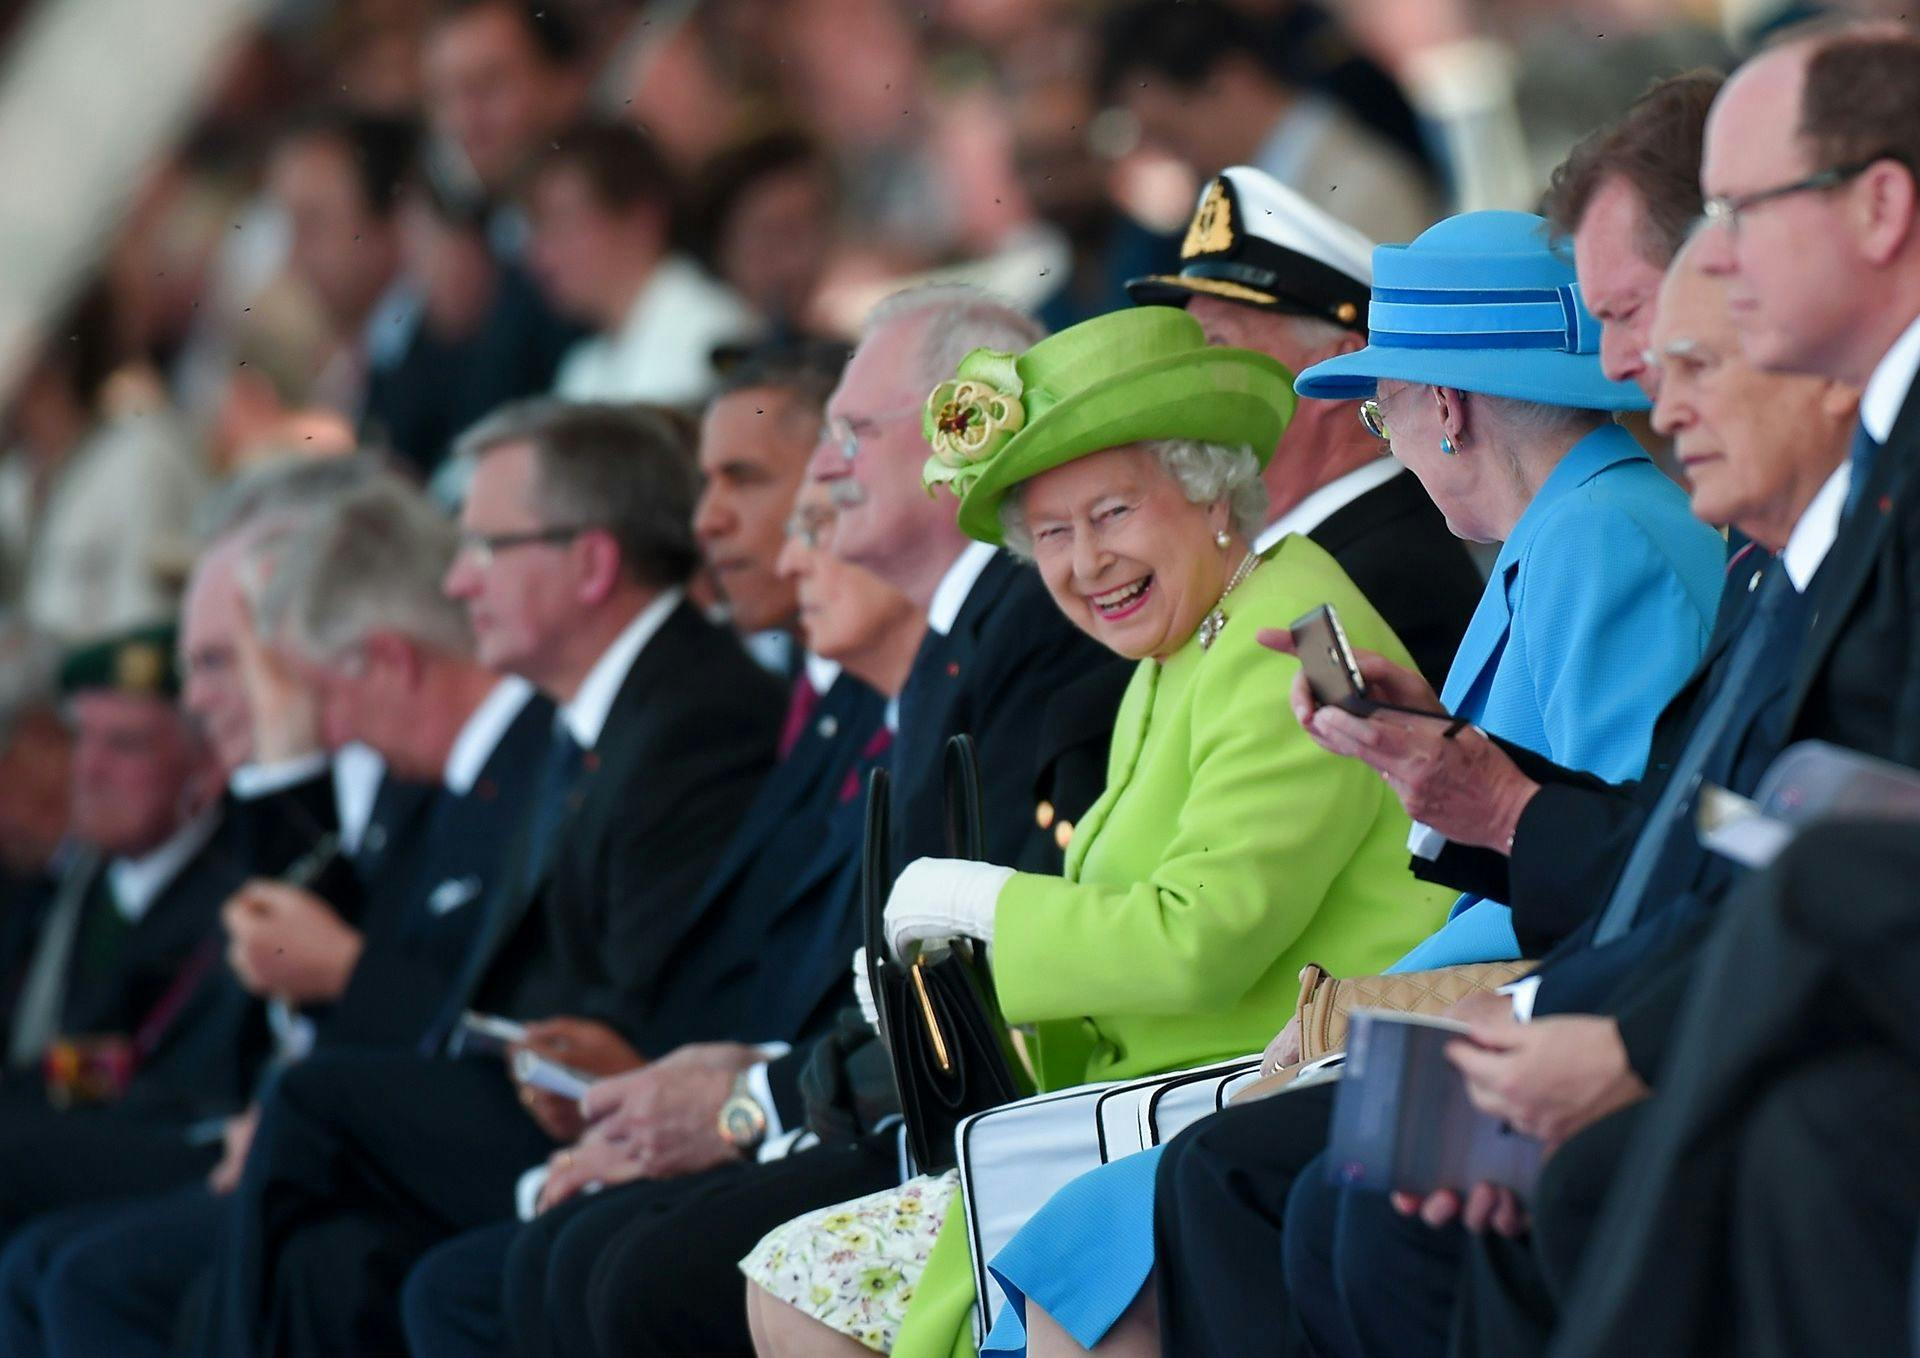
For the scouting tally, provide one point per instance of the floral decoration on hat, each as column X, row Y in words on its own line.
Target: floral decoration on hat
column 971, row 418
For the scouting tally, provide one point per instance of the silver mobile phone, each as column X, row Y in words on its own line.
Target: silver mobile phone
column 1333, row 675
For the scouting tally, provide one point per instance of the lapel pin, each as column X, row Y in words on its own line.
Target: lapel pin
column 1754, row 583
column 590, row 762
column 829, row 727
column 953, row 669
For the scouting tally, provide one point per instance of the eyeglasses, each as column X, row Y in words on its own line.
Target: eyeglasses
column 848, row 432
column 1724, row 209
column 481, row 548
column 811, row 527
column 1375, row 422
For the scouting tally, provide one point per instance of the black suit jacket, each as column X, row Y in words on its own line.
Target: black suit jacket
column 991, row 676
column 775, row 925
column 1395, row 545
column 686, row 743
column 429, row 888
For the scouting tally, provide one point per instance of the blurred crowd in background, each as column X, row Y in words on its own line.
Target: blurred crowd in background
column 386, row 217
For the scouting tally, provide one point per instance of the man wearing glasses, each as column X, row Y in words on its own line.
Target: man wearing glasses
column 576, row 545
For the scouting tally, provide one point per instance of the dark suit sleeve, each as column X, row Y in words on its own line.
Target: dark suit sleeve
column 703, row 769
column 1649, row 1012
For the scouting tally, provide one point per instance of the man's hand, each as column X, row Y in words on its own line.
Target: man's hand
column 658, row 1122
column 287, row 943
column 285, row 709
column 1550, row 1078
column 586, row 1045
column 1465, row 787
column 1488, row 1207
column 224, row 1177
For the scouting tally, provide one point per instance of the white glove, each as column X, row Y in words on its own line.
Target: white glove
column 943, row 898
column 863, row 989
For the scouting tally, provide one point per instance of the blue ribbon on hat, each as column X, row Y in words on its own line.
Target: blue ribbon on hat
column 1483, row 318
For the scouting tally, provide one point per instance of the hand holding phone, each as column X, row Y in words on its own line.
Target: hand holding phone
column 1326, row 658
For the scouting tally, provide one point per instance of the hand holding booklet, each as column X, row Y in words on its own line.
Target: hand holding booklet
column 1402, row 1121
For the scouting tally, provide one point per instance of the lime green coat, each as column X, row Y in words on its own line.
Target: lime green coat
column 1227, row 851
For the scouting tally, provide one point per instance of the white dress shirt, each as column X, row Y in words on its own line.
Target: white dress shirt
column 481, row 733
column 586, row 715
column 663, row 352
column 1886, row 390
column 138, row 882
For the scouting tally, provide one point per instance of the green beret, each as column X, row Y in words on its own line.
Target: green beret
column 137, row 661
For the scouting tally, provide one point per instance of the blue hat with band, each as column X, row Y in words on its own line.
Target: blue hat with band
column 1480, row 302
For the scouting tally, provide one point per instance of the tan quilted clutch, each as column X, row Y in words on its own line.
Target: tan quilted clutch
column 1325, row 1001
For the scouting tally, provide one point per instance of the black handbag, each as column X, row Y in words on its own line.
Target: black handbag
column 952, row 1052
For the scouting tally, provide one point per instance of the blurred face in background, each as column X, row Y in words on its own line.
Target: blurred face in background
column 340, row 247
column 845, row 612
column 36, row 793
column 450, row 263
column 775, row 244
column 1618, row 282
column 582, row 250
column 215, row 694
column 490, row 90
column 138, row 772
column 754, row 446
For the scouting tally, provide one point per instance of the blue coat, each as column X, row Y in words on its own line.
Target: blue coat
column 1596, row 611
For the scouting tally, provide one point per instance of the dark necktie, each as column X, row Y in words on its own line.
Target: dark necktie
column 1768, row 642
column 1860, row 455
column 800, row 709
column 552, row 800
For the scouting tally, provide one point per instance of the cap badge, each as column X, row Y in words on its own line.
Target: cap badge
column 138, row 667
column 1211, row 231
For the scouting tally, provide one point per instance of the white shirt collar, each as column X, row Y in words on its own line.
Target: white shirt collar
column 358, row 771
column 481, row 733
column 950, row 595
column 1886, row 391
column 1325, row 502
column 586, row 715
column 821, row 673
column 1814, row 531
column 252, row 781
column 138, row 882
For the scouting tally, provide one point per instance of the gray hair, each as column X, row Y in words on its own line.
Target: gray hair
column 1205, row 472
column 1530, row 421
column 371, row 561
column 626, row 468
column 285, row 483
column 958, row 319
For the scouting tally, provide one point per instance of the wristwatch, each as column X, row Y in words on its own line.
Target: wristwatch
column 743, row 1122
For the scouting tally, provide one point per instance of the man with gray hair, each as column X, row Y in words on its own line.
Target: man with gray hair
column 574, row 552
column 996, row 648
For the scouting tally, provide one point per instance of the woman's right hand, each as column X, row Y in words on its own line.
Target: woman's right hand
column 1284, row 1050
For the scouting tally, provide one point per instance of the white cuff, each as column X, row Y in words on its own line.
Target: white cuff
column 1425, row 842
column 1522, row 993
column 526, row 1193
column 943, row 898
column 761, row 1088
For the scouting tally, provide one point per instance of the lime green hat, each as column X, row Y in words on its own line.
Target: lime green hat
column 1128, row 376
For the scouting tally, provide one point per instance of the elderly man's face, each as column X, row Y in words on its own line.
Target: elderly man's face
column 210, row 623
column 521, row 598
column 135, row 763
column 1617, row 280
column 1794, row 290
column 1127, row 557
column 887, row 522
column 847, row 613
column 1753, row 445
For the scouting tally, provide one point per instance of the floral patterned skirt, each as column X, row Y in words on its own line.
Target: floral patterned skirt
column 853, row 1267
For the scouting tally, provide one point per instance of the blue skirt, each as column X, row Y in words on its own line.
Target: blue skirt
column 1083, row 1257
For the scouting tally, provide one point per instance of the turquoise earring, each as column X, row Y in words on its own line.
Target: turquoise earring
column 1446, row 445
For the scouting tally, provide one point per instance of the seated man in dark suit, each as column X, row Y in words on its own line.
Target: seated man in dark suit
column 575, row 549
column 1262, row 268
column 660, row 1253
column 358, row 609
column 784, row 885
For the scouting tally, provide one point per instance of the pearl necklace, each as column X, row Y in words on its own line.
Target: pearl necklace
column 1212, row 625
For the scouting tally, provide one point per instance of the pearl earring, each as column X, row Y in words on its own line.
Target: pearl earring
column 1220, row 539
column 1446, row 445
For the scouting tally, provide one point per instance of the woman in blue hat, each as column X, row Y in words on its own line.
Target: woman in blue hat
column 1482, row 374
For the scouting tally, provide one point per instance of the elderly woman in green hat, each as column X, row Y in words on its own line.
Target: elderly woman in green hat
column 1123, row 457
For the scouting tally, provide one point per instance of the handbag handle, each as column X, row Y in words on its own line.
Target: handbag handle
column 876, row 881
column 966, row 837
